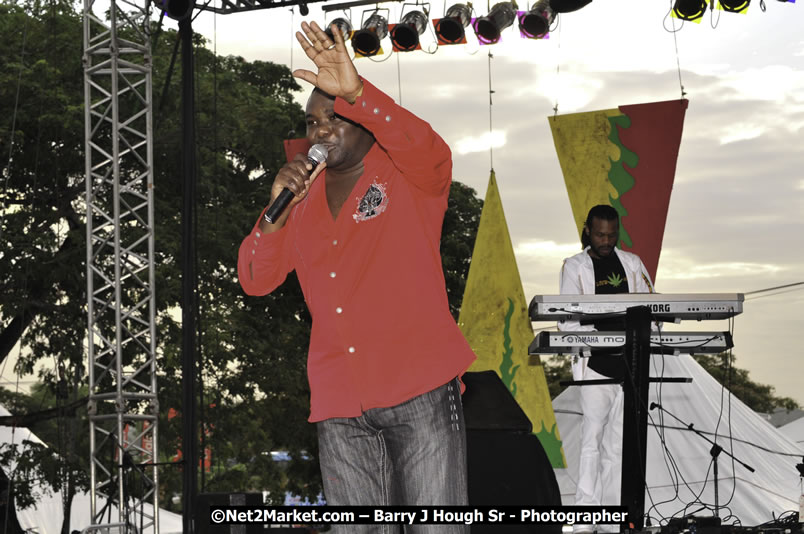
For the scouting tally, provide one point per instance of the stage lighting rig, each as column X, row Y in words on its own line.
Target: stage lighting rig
column 405, row 35
column 567, row 6
column 734, row 6
column 177, row 9
column 450, row 29
column 489, row 28
column 536, row 23
column 690, row 10
column 366, row 41
column 344, row 28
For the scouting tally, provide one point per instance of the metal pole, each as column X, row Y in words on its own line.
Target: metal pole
column 189, row 441
column 635, row 413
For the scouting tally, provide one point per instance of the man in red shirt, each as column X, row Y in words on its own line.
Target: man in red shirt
column 363, row 234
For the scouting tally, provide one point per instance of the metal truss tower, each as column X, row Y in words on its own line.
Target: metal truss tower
column 123, row 407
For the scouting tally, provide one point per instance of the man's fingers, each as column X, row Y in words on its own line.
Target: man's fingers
column 306, row 75
column 310, row 33
column 321, row 166
column 337, row 36
column 318, row 33
column 306, row 46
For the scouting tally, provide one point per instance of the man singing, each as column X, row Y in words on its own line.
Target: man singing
column 363, row 233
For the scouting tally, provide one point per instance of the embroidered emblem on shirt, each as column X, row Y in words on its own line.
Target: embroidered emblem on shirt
column 615, row 280
column 374, row 202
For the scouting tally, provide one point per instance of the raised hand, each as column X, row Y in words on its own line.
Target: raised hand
column 337, row 74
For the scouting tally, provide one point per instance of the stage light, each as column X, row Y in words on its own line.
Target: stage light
column 566, row 6
column 689, row 9
column 343, row 26
column 366, row 41
column 449, row 30
column 177, row 9
column 489, row 28
column 405, row 35
column 734, row 6
column 536, row 22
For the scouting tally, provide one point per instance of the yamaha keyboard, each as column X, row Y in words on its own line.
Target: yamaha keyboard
column 663, row 307
column 660, row 343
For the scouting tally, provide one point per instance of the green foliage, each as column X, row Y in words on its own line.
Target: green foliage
column 59, row 462
column 758, row 397
column 458, row 235
column 557, row 368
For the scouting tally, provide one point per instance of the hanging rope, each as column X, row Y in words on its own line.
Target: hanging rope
column 202, row 403
column 292, row 36
column 675, row 30
column 491, row 92
column 197, row 300
column 398, row 78
column 558, row 68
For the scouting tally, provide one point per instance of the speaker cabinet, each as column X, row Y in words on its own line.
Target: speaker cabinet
column 506, row 463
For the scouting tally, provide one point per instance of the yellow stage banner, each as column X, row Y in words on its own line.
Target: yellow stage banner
column 494, row 319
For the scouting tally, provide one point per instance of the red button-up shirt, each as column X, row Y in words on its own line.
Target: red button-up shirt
column 372, row 278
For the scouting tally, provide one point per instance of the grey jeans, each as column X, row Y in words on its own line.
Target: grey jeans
column 410, row 454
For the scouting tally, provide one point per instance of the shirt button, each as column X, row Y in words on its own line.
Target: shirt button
column 334, row 242
column 258, row 234
column 338, row 310
column 253, row 251
column 387, row 118
column 376, row 111
column 332, row 274
column 352, row 350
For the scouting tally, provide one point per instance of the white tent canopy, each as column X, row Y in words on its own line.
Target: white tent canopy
column 679, row 474
column 795, row 431
column 46, row 516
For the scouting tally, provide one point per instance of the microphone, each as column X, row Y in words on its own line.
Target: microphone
column 315, row 156
column 655, row 405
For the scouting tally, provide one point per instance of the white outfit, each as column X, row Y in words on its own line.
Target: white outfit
column 600, row 468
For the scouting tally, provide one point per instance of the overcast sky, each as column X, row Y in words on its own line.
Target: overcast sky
column 735, row 216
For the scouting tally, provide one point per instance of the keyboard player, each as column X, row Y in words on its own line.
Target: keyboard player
column 601, row 268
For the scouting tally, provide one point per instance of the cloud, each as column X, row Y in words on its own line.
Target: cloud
column 741, row 132
column 545, row 250
column 685, row 269
column 480, row 143
column 571, row 91
column 777, row 83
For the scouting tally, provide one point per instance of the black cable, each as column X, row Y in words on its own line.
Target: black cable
column 669, row 461
column 168, row 79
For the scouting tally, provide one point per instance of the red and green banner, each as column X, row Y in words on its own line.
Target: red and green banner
column 625, row 157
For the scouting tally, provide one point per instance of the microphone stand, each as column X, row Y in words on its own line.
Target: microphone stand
column 714, row 451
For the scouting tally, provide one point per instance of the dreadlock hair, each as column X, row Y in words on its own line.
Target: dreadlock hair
column 601, row 211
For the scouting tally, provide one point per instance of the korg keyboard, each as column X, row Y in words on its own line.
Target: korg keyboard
column 664, row 307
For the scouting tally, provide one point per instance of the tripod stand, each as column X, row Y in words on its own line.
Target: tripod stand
column 714, row 451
